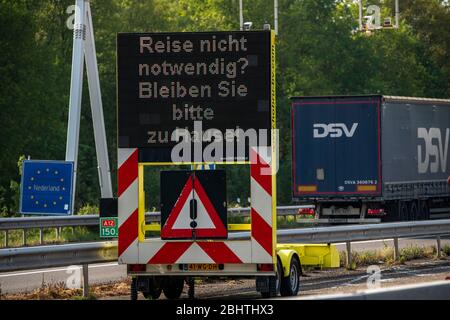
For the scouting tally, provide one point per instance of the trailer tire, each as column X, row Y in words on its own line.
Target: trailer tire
column 154, row 289
column 274, row 283
column 291, row 284
column 133, row 289
column 173, row 287
column 153, row 295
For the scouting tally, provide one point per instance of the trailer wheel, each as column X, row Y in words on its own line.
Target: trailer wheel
column 424, row 210
column 133, row 289
column 152, row 295
column 291, row 284
column 173, row 287
column 154, row 289
column 274, row 283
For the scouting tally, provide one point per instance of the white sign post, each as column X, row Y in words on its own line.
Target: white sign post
column 84, row 48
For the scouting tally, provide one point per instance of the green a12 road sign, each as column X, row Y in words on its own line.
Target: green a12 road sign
column 109, row 227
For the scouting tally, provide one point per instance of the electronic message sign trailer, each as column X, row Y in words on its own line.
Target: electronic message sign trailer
column 197, row 98
column 374, row 157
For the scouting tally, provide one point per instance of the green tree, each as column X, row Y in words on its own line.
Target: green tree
column 319, row 52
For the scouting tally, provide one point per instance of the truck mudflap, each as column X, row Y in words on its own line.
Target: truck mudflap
column 315, row 255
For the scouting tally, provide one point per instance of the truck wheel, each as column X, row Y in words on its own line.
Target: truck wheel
column 392, row 212
column 291, row 284
column 133, row 289
column 424, row 210
column 154, row 289
column 403, row 211
column 413, row 211
column 173, row 287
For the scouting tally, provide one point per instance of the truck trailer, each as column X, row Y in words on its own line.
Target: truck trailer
column 371, row 158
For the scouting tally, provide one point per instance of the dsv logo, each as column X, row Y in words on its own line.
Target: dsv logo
column 333, row 130
column 434, row 157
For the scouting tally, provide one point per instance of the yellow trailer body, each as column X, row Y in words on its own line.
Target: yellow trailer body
column 315, row 255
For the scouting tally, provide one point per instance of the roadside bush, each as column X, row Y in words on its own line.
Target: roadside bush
column 88, row 209
column 386, row 255
column 446, row 249
column 416, row 252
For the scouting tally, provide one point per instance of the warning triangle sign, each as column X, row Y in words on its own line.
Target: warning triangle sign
column 193, row 215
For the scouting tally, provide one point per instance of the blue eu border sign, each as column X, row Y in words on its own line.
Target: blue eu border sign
column 46, row 187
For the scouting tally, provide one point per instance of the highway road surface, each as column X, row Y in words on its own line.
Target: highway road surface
column 26, row 281
column 316, row 283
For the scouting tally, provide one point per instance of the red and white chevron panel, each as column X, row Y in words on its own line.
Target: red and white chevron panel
column 261, row 205
column 128, row 203
column 169, row 252
column 259, row 249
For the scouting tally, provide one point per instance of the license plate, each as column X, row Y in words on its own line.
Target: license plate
column 203, row 267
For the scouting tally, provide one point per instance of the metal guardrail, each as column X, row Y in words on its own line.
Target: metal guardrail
column 25, row 258
column 58, row 222
column 367, row 232
column 47, row 222
column 351, row 233
column 281, row 210
column 92, row 220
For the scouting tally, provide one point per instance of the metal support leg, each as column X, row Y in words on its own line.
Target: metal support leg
column 41, row 236
column 396, row 250
column 349, row 254
column 360, row 15
column 97, row 108
column 6, row 238
column 241, row 16
column 85, row 280
column 24, row 237
column 76, row 86
column 397, row 14
column 275, row 16
column 438, row 241
column 84, row 51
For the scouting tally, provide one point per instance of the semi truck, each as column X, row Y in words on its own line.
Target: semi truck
column 371, row 158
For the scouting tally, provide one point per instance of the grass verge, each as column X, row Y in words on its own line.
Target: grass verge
column 68, row 234
column 386, row 256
